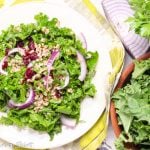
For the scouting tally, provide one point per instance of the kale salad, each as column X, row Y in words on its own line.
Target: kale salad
column 45, row 74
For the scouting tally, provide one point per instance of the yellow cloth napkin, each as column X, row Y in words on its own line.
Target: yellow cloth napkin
column 1, row 3
column 95, row 136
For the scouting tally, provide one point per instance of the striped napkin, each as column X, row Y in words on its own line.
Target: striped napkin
column 117, row 12
column 95, row 136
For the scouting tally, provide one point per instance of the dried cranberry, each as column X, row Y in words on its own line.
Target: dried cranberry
column 29, row 57
column 5, row 65
column 29, row 73
column 57, row 93
column 27, row 53
column 33, row 56
column 26, row 61
column 31, row 45
column 29, row 38
column 6, row 51
column 20, row 44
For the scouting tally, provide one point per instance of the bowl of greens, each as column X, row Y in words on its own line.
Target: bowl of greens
column 130, row 106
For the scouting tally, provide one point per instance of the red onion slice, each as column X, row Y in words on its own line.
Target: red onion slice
column 15, row 50
column 54, row 55
column 1, row 66
column 24, row 105
column 67, row 78
column 68, row 122
column 83, row 66
column 83, row 40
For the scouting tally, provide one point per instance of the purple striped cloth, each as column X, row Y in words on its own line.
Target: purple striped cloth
column 117, row 12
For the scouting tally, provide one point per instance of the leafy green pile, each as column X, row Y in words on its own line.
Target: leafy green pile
column 140, row 23
column 48, row 119
column 132, row 104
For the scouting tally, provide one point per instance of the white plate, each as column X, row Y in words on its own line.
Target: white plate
column 91, row 109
